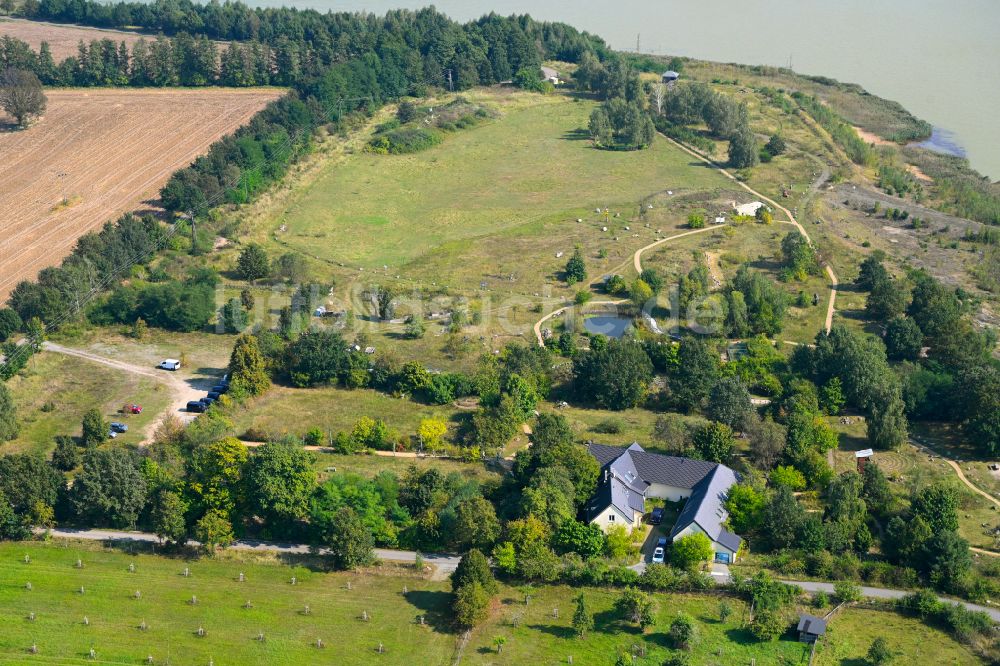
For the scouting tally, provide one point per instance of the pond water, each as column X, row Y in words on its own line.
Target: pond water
column 607, row 325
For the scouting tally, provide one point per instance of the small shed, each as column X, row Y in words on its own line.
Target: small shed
column 670, row 77
column 862, row 457
column 810, row 628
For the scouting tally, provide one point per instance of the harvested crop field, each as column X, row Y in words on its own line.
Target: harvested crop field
column 97, row 154
column 63, row 39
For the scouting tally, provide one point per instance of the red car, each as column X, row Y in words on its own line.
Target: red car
column 135, row 409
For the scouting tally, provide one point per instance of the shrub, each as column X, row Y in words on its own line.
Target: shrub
column 610, row 426
column 846, row 591
column 683, row 631
column 404, row 140
column 315, row 437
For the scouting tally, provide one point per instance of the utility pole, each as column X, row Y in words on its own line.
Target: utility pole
column 637, row 35
column 451, row 86
column 789, row 62
column 194, row 234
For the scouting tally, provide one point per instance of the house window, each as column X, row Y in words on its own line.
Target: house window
column 611, row 517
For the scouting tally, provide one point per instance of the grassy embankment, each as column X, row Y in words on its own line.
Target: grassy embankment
column 533, row 632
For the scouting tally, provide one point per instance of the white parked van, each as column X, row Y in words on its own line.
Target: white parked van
column 170, row 364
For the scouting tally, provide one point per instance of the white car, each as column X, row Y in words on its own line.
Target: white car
column 658, row 555
column 170, row 364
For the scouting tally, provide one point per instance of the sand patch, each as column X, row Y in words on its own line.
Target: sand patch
column 869, row 137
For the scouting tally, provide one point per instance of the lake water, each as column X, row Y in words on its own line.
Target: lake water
column 939, row 58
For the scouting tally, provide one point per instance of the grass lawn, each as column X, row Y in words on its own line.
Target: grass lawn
column 851, row 633
column 53, row 392
column 910, row 469
column 535, row 635
column 230, row 629
column 285, row 410
column 541, row 638
column 534, row 161
column 370, row 465
column 203, row 354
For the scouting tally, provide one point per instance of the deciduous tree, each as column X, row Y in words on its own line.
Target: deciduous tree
column 349, row 540
column 21, row 95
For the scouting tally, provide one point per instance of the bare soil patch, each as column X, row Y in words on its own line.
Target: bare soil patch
column 97, row 154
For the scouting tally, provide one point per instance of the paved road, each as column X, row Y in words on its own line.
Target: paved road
column 444, row 564
column 883, row 593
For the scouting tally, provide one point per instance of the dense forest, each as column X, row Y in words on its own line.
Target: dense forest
column 284, row 46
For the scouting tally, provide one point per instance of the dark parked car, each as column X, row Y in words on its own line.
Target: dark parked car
column 214, row 395
column 657, row 516
column 220, row 388
column 118, row 427
column 196, row 406
column 661, row 542
column 207, row 401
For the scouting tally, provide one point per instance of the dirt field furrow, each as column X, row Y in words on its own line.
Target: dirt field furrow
column 96, row 154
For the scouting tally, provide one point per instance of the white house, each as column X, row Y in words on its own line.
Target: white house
column 629, row 476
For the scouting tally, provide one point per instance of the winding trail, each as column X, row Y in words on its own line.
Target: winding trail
column 834, row 282
column 637, row 257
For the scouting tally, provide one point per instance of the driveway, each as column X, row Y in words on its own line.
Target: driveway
column 181, row 390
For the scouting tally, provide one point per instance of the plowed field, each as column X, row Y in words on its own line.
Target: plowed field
column 97, row 154
column 63, row 39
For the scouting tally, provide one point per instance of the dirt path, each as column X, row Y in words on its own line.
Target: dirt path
column 791, row 220
column 714, row 269
column 181, row 390
column 637, row 257
column 556, row 313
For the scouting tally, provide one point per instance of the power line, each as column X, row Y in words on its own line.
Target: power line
column 35, row 341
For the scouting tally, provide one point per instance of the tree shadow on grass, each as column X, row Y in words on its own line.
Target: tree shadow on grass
column 741, row 636
column 578, row 134
column 434, row 606
column 553, row 630
column 611, row 621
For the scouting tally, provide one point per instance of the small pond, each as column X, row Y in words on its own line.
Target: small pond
column 611, row 326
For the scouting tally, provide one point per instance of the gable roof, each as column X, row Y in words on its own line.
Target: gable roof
column 811, row 624
column 627, row 473
column 705, row 507
column 653, row 467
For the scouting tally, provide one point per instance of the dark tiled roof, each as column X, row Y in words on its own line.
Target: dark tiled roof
column 618, row 494
column 812, row 624
column 603, row 453
column 705, row 506
column 671, row 470
column 730, row 540
column 626, row 473
column 654, row 467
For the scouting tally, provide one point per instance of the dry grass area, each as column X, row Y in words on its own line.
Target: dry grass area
column 63, row 39
column 97, row 154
